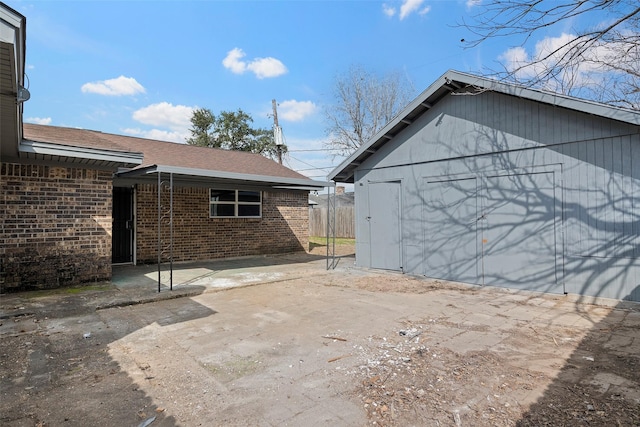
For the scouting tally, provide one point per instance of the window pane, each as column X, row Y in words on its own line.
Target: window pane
column 223, row 195
column 248, row 210
column 222, row 210
column 248, row 196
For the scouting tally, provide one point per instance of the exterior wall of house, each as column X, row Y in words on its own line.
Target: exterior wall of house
column 284, row 226
column 55, row 226
column 496, row 190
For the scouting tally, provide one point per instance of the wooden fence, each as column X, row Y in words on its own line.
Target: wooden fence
column 345, row 222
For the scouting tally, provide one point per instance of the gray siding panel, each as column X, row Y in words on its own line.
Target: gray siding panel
column 466, row 125
column 449, row 230
column 519, row 232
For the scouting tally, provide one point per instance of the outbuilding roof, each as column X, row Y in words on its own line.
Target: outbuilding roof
column 454, row 80
column 145, row 157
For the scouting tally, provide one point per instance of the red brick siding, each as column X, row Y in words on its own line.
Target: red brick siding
column 284, row 226
column 55, row 227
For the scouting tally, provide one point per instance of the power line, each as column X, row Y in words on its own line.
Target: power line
column 314, row 149
column 308, row 164
column 318, row 168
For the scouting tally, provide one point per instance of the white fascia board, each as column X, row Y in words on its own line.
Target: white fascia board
column 299, row 183
column 11, row 23
column 47, row 148
column 12, row 31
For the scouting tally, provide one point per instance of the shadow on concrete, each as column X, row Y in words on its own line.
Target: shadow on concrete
column 600, row 382
column 57, row 369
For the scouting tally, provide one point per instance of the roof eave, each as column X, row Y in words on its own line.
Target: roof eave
column 69, row 151
column 276, row 182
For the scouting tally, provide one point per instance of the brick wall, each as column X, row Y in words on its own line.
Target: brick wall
column 284, row 226
column 55, row 227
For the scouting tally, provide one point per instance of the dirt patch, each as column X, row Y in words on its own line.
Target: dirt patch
column 406, row 381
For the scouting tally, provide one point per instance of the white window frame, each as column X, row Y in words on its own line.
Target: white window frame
column 236, row 203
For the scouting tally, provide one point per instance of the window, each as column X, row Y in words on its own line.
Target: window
column 235, row 203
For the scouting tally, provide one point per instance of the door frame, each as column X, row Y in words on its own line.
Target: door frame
column 132, row 240
column 400, row 240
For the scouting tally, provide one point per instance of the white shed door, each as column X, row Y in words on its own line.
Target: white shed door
column 384, row 225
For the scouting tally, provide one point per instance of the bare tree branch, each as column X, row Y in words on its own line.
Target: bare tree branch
column 363, row 104
column 599, row 62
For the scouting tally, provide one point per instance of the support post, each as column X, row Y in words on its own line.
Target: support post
column 331, row 227
column 171, row 231
column 165, row 217
column 159, row 231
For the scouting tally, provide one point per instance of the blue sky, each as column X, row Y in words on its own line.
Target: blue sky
column 140, row 67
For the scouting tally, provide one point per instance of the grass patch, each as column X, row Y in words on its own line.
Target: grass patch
column 322, row 241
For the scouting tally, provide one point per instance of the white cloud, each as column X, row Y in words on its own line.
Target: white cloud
column 267, row 67
column 390, row 11
column 158, row 134
column 114, row 87
column 295, row 111
column 261, row 67
column 514, row 58
column 39, row 120
column 544, row 56
column 233, row 61
column 473, row 3
column 171, row 122
column 408, row 7
column 549, row 51
column 165, row 114
column 424, row 10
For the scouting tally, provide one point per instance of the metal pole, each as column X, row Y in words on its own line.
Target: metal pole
column 159, row 233
column 171, row 232
column 331, row 227
column 328, row 222
column 333, row 235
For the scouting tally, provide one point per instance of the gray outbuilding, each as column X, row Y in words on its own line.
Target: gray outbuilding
column 489, row 183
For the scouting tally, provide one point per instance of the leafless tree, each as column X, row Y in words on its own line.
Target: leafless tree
column 363, row 104
column 600, row 61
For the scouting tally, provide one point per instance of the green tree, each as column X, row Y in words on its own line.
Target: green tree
column 231, row 130
column 201, row 122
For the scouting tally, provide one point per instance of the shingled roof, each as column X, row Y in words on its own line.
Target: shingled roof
column 163, row 153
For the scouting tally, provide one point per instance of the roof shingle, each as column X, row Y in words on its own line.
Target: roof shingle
column 162, row 152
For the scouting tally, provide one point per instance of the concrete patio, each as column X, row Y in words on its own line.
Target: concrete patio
column 282, row 341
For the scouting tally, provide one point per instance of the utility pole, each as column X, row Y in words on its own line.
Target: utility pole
column 277, row 131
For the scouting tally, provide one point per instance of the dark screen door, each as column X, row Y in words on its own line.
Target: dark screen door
column 122, row 241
